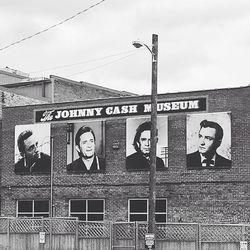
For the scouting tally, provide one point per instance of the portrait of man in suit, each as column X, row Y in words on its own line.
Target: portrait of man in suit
column 206, row 156
column 32, row 149
column 138, row 152
column 87, row 158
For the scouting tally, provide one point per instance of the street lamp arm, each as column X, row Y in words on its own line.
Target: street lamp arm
column 139, row 44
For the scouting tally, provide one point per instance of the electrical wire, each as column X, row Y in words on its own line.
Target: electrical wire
column 51, row 27
column 100, row 66
column 82, row 62
column 92, row 60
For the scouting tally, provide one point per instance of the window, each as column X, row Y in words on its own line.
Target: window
column 33, row 208
column 161, row 210
column 138, row 210
column 87, row 210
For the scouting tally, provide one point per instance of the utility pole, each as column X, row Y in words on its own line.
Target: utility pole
column 153, row 140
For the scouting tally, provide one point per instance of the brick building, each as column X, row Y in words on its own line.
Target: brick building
column 52, row 89
column 184, row 193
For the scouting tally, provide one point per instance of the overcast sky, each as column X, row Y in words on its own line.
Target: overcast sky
column 203, row 44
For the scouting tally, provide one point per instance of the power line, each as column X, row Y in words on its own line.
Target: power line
column 82, row 62
column 102, row 65
column 53, row 26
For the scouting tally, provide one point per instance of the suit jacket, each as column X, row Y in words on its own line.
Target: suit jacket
column 78, row 166
column 194, row 162
column 42, row 165
column 137, row 161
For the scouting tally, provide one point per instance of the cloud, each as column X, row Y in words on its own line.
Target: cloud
column 201, row 43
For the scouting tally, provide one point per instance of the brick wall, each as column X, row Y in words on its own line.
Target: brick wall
column 193, row 196
column 66, row 91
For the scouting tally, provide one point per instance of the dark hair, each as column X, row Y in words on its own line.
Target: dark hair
column 142, row 127
column 21, row 138
column 216, row 126
column 83, row 130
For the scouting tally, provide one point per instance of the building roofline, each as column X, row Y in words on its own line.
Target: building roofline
column 202, row 90
column 131, row 98
column 13, row 91
column 91, row 85
column 12, row 74
column 25, row 83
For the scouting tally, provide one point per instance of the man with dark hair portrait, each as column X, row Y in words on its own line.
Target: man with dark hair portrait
column 32, row 161
column 209, row 139
column 140, row 160
column 88, row 161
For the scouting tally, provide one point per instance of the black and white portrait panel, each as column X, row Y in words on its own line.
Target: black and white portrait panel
column 32, row 149
column 138, row 143
column 86, row 147
column 209, row 141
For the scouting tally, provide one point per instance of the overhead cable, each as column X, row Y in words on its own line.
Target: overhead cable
column 82, row 62
column 53, row 26
column 102, row 65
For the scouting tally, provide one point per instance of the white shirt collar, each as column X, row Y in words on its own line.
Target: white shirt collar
column 204, row 158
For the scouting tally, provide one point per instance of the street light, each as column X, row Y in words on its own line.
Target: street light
column 153, row 139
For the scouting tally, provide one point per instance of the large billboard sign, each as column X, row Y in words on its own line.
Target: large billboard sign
column 209, row 141
column 67, row 114
column 32, row 149
column 86, row 147
column 138, row 144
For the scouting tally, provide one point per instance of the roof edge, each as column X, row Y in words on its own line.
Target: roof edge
column 91, row 85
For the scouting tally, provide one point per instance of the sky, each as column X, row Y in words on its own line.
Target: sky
column 202, row 44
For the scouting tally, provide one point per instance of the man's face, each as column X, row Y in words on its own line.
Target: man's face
column 31, row 150
column 144, row 142
column 86, row 146
column 207, row 140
